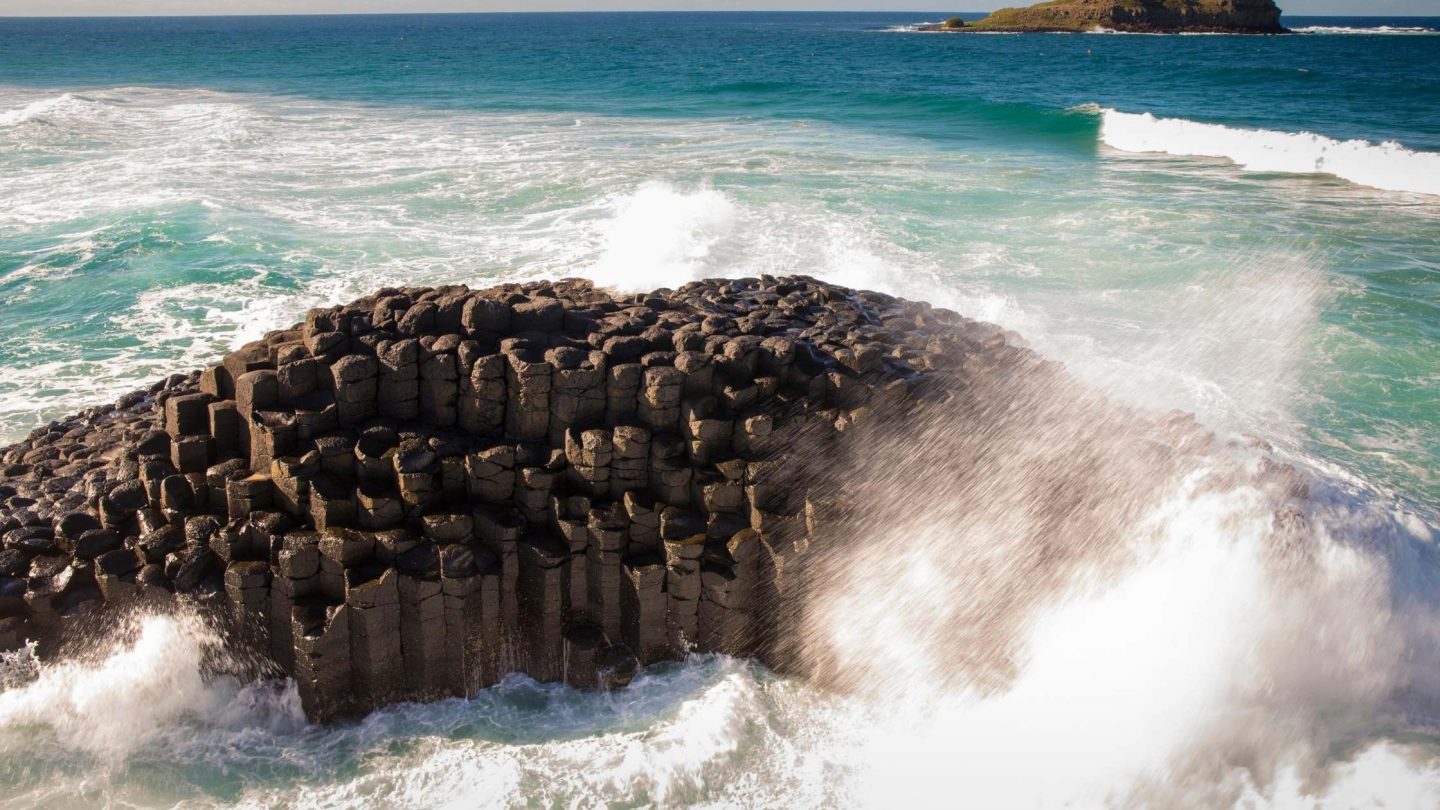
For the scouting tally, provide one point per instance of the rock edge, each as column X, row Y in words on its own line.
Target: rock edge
column 411, row 495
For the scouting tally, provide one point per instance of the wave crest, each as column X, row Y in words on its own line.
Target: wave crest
column 1389, row 165
column 65, row 104
column 1379, row 30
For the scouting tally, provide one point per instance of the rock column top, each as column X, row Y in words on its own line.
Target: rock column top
column 410, row 495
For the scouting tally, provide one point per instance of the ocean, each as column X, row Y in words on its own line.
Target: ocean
column 1245, row 228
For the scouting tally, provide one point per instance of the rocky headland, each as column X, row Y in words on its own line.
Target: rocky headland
column 411, row 495
column 1131, row 16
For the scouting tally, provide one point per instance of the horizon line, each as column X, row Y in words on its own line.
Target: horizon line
column 584, row 11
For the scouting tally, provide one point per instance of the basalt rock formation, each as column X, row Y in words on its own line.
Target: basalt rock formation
column 411, row 495
column 1136, row 16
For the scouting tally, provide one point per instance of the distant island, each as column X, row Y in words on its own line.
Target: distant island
column 1131, row 16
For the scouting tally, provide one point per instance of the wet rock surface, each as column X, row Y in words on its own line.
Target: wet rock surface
column 411, row 495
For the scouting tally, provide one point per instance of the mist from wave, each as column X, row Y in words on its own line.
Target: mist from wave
column 1218, row 664
column 1111, row 631
column 1215, row 647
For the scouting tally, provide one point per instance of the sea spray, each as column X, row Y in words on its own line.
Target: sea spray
column 1216, row 647
column 1179, row 681
column 1231, row 345
column 19, row 667
column 659, row 235
column 119, row 697
column 1061, row 618
column 686, row 732
column 1059, row 535
column 663, row 234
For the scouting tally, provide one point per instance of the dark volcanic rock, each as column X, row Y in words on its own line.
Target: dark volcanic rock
column 411, row 495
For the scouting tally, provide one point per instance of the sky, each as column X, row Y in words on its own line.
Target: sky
column 49, row 8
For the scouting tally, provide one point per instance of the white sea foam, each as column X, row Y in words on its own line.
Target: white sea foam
column 662, row 235
column 910, row 28
column 1209, row 653
column 125, row 697
column 1102, row 31
column 300, row 203
column 1388, row 165
column 141, row 725
column 319, row 202
column 38, row 109
column 1378, row 30
column 659, row 235
column 1216, row 669
column 1189, row 676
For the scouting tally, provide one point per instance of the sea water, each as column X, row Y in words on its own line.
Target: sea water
column 1246, row 228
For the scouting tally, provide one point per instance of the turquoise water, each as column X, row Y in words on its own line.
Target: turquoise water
column 152, row 169
column 172, row 187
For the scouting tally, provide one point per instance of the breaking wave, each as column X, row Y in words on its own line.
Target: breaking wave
column 1387, row 165
column 1280, row 675
column 1379, row 30
column 141, row 723
column 40, row 110
column 1215, row 657
column 1211, row 655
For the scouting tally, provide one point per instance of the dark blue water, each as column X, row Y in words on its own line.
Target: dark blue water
column 832, row 67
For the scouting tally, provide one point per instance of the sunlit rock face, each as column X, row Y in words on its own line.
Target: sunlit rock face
column 411, row 495
column 1140, row 16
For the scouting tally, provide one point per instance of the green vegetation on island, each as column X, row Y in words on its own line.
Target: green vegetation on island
column 1137, row 16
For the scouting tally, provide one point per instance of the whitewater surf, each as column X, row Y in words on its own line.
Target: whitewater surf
column 1240, row 229
column 1387, row 166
